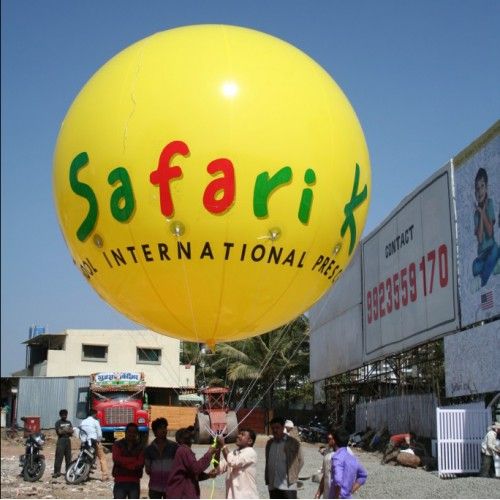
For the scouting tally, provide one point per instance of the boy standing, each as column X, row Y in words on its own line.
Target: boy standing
column 64, row 430
column 128, row 462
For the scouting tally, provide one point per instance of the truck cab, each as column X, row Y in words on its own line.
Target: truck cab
column 119, row 399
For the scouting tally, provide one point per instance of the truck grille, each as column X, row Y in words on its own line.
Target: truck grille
column 119, row 415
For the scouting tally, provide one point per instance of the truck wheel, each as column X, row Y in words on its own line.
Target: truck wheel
column 231, row 427
column 202, row 428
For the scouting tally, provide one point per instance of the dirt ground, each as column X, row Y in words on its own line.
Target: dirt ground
column 383, row 481
column 13, row 485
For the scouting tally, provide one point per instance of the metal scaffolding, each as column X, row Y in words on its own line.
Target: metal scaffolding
column 416, row 371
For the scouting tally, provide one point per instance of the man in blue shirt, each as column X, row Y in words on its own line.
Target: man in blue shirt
column 348, row 475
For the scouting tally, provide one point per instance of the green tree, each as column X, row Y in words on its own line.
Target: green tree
column 271, row 367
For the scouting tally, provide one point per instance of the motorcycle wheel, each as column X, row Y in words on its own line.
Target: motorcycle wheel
column 77, row 472
column 32, row 473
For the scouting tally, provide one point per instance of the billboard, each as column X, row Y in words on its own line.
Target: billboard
column 409, row 273
column 477, row 199
column 432, row 267
column 336, row 341
column 477, row 372
column 336, row 347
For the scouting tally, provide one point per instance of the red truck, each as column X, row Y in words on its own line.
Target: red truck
column 119, row 398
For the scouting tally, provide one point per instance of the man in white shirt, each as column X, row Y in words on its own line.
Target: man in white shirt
column 240, row 466
column 94, row 433
column 92, row 426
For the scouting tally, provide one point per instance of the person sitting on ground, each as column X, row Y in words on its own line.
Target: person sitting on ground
column 397, row 442
column 128, row 460
column 158, row 458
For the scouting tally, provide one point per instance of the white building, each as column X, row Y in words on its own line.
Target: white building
column 59, row 365
column 82, row 352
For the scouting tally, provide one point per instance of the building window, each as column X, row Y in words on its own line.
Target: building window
column 148, row 356
column 94, row 352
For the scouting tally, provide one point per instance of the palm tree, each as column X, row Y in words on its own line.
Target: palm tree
column 198, row 354
column 259, row 367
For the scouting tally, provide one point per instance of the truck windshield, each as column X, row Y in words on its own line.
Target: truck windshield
column 120, row 396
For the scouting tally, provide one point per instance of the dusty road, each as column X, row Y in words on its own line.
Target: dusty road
column 383, row 481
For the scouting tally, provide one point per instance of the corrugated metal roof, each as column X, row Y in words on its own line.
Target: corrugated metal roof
column 45, row 396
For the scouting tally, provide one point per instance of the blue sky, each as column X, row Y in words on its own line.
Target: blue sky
column 422, row 76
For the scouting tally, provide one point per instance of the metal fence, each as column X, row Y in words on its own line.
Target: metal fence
column 416, row 413
column 460, row 433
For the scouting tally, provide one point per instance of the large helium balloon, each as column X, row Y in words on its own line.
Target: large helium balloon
column 211, row 182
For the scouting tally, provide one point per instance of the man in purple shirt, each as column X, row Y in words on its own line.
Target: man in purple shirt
column 348, row 475
column 186, row 472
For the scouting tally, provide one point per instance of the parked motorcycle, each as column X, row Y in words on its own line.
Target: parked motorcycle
column 315, row 432
column 79, row 469
column 33, row 462
column 305, row 433
column 318, row 429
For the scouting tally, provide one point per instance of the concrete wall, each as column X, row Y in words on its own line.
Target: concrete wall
column 122, row 356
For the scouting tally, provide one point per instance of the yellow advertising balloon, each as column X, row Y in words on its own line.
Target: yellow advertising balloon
column 211, row 182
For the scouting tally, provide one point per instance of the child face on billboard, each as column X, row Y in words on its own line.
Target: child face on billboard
column 481, row 190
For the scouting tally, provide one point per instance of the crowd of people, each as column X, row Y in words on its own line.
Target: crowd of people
column 175, row 472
